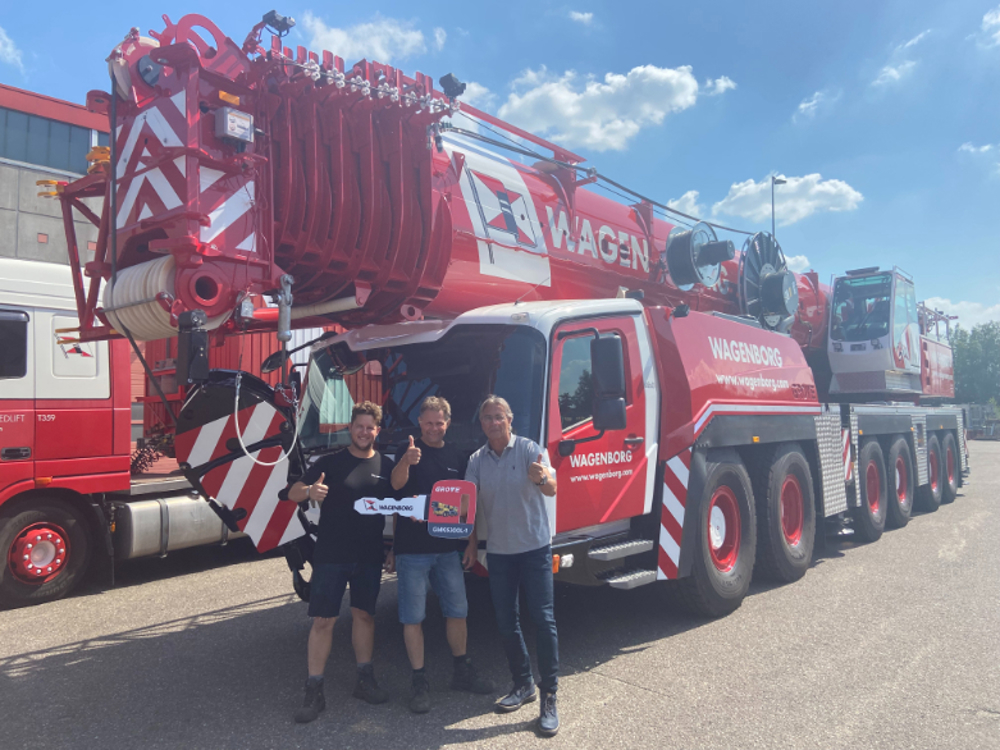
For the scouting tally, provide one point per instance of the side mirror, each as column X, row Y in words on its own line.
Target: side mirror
column 609, row 414
column 273, row 362
column 608, row 361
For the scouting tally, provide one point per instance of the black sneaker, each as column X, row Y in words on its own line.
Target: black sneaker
column 367, row 688
column 313, row 704
column 420, row 698
column 468, row 679
column 548, row 720
column 516, row 698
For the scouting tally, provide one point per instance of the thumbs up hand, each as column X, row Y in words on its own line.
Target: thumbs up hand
column 412, row 454
column 537, row 472
column 318, row 490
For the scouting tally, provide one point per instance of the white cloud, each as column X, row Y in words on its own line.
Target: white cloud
column 719, row 85
column 970, row 314
column 988, row 152
column 916, row 40
column 812, row 106
column 585, row 18
column 599, row 114
column 478, row 96
column 381, row 39
column 440, row 35
column 9, row 52
column 798, row 263
column 893, row 73
column 991, row 26
column 798, row 199
column 688, row 204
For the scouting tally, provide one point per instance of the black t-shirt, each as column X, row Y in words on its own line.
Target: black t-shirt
column 435, row 464
column 346, row 536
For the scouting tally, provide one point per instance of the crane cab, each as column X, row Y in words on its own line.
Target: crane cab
column 874, row 343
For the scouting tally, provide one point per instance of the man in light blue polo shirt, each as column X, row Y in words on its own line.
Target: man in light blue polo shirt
column 512, row 480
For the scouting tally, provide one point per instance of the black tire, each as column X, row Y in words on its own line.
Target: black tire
column 721, row 571
column 949, row 462
column 869, row 519
column 901, row 483
column 45, row 517
column 786, row 514
column 929, row 496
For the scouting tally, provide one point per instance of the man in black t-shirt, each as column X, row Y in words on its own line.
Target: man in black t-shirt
column 348, row 551
column 422, row 561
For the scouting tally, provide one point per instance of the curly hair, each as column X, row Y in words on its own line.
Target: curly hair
column 367, row 407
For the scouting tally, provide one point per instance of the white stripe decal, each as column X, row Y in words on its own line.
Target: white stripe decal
column 668, row 545
column 208, row 177
column 163, row 189
column 680, row 470
column 236, row 477
column 671, row 503
column 293, row 531
column 180, row 101
column 129, row 201
column 262, row 512
column 234, row 207
column 208, row 438
column 161, row 129
column 747, row 408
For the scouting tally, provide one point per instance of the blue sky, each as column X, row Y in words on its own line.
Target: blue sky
column 884, row 117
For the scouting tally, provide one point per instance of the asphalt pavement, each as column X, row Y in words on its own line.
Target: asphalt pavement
column 889, row 645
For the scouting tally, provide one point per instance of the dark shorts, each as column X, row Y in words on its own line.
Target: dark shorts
column 330, row 580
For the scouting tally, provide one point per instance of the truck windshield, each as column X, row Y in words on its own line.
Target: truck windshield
column 465, row 366
column 861, row 308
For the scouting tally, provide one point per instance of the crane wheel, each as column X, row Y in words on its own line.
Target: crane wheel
column 929, row 496
column 46, row 550
column 726, row 539
column 902, row 483
column 786, row 515
column 869, row 519
column 949, row 456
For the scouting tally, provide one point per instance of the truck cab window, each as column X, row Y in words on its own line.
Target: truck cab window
column 576, row 390
column 13, row 344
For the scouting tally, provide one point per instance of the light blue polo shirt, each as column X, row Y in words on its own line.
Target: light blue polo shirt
column 513, row 506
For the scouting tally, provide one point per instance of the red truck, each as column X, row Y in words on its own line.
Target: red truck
column 708, row 412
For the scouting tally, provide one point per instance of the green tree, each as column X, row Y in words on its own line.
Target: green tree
column 976, row 356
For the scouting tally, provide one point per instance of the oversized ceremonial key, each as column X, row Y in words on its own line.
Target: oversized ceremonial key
column 451, row 511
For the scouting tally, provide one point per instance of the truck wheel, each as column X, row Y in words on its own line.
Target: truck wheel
column 786, row 515
column 901, row 483
column 949, row 455
column 46, row 549
column 726, row 540
column 869, row 519
column 929, row 496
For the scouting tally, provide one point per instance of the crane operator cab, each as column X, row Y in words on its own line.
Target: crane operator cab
column 874, row 341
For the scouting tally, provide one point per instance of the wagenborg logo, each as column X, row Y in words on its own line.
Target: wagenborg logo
column 742, row 351
column 600, row 459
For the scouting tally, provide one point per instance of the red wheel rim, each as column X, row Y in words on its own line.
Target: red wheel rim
column 949, row 458
column 902, row 486
column 792, row 511
column 934, row 470
column 724, row 529
column 39, row 553
column 872, row 487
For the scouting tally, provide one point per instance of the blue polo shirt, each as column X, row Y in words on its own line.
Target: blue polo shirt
column 513, row 505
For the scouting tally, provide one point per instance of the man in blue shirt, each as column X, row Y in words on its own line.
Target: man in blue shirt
column 512, row 480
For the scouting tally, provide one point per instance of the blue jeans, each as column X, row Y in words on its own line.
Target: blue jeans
column 442, row 572
column 533, row 570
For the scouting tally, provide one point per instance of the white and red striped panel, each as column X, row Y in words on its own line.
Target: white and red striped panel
column 152, row 180
column 676, row 472
column 846, row 446
column 243, row 484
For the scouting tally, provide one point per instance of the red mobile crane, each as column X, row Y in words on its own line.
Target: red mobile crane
column 706, row 412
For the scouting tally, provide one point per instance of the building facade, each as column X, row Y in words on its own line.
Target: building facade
column 42, row 138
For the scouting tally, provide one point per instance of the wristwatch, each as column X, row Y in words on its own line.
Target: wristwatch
column 545, row 480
